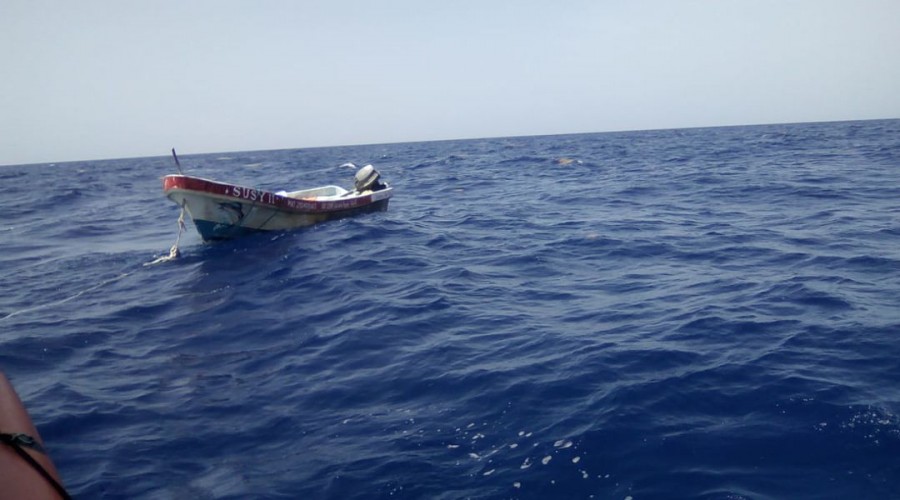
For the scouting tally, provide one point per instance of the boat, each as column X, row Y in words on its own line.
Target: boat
column 26, row 470
column 223, row 211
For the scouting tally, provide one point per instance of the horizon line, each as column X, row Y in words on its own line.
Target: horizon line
column 367, row 144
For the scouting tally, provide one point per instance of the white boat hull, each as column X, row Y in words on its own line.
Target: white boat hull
column 224, row 211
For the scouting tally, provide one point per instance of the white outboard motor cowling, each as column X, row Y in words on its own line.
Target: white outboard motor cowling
column 367, row 179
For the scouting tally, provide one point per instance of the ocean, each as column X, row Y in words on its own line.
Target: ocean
column 701, row 313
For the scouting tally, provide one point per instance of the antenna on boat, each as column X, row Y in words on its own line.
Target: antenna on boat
column 177, row 163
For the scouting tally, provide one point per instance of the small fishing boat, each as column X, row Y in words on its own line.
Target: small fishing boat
column 26, row 470
column 222, row 211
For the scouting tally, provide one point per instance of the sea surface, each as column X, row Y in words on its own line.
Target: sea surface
column 704, row 313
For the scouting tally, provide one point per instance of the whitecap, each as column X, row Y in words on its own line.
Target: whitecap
column 563, row 444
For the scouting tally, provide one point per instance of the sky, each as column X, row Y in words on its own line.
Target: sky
column 98, row 79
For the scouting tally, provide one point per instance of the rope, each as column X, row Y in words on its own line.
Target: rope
column 174, row 253
column 18, row 442
column 67, row 299
column 274, row 213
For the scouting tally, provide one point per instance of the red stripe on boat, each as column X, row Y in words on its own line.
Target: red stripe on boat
column 258, row 196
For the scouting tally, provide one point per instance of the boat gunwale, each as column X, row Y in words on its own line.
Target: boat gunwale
column 185, row 184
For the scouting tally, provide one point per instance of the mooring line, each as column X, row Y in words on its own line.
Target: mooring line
column 174, row 253
column 67, row 299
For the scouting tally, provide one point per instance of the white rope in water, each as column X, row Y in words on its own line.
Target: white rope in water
column 67, row 299
column 174, row 253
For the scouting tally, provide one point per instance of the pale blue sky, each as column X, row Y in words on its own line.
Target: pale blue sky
column 94, row 79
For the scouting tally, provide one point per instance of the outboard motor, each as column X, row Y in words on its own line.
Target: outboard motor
column 368, row 179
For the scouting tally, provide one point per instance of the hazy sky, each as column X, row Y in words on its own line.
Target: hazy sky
column 93, row 79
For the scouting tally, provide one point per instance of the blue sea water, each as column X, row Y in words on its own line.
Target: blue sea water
column 703, row 313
